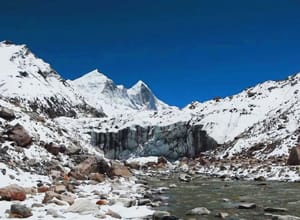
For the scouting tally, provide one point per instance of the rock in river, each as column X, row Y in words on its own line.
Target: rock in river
column 246, row 205
column 199, row 211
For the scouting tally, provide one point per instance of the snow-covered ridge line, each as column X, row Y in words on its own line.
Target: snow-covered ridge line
column 102, row 92
column 29, row 80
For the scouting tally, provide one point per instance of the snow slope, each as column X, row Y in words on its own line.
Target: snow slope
column 28, row 79
column 266, row 113
column 102, row 92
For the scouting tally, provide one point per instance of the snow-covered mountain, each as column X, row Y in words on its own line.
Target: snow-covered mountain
column 102, row 92
column 26, row 79
column 266, row 115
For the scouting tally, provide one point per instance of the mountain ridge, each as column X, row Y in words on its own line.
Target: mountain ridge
column 102, row 92
column 230, row 121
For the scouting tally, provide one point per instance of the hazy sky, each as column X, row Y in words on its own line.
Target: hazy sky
column 184, row 50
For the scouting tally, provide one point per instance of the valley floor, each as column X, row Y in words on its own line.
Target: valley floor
column 130, row 197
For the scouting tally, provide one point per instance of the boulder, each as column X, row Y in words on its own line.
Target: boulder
column 222, row 215
column 54, row 148
column 43, row 189
column 50, row 195
column 60, row 188
column 199, row 211
column 159, row 215
column 59, row 202
column 144, row 201
column 246, row 205
column 113, row 214
column 19, row 211
column 55, row 174
column 53, row 213
column 97, row 177
column 19, row 135
column 7, row 114
column 83, row 206
column 294, row 156
column 184, row 177
column 283, row 217
column 118, row 169
column 275, row 209
column 102, row 202
column 88, row 166
column 13, row 192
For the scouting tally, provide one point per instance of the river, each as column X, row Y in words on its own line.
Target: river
column 225, row 196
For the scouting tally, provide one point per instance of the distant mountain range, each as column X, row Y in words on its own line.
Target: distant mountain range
column 262, row 121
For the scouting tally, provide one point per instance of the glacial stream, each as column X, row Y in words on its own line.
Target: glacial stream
column 225, row 196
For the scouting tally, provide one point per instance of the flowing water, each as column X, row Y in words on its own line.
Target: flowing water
column 224, row 196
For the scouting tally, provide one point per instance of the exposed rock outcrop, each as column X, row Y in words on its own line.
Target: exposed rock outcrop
column 171, row 141
column 294, row 157
column 20, row 136
column 7, row 114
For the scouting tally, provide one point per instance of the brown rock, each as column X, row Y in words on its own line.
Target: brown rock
column 55, row 149
column 102, row 202
column 19, row 135
column 88, row 166
column 7, row 114
column 50, row 195
column 70, row 187
column 97, row 177
column 294, row 157
column 52, row 148
column 162, row 160
column 13, row 192
column 118, row 169
column 43, row 189
column 135, row 166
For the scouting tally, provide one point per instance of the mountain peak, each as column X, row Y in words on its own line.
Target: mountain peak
column 94, row 75
column 138, row 87
column 7, row 42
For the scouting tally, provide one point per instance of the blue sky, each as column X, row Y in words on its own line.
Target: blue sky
column 184, row 50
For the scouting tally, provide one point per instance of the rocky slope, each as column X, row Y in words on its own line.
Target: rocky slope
column 261, row 121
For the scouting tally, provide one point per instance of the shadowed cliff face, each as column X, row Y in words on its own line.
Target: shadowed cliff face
column 173, row 141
